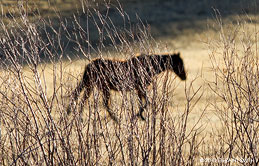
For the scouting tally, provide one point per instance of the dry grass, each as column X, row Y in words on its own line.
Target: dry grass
column 212, row 118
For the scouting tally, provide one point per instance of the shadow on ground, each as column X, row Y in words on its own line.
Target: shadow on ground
column 166, row 18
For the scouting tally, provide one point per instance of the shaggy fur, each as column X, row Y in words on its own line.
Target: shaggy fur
column 133, row 74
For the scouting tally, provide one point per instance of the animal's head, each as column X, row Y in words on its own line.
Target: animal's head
column 176, row 64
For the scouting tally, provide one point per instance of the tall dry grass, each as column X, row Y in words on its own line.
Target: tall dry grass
column 36, row 82
column 235, row 66
column 35, row 89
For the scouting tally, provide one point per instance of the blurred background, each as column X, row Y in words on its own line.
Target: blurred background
column 167, row 18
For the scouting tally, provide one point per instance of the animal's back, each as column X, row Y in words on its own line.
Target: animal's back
column 118, row 75
column 113, row 74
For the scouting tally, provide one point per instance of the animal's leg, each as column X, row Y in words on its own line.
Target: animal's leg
column 86, row 95
column 142, row 95
column 78, row 90
column 75, row 94
column 106, row 99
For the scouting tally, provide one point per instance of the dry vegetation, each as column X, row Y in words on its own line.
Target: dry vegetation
column 211, row 119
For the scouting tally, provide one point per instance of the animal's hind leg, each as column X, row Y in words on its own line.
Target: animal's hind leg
column 86, row 95
column 142, row 95
column 75, row 94
column 106, row 99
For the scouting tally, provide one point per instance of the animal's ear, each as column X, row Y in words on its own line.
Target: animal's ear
column 178, row 54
